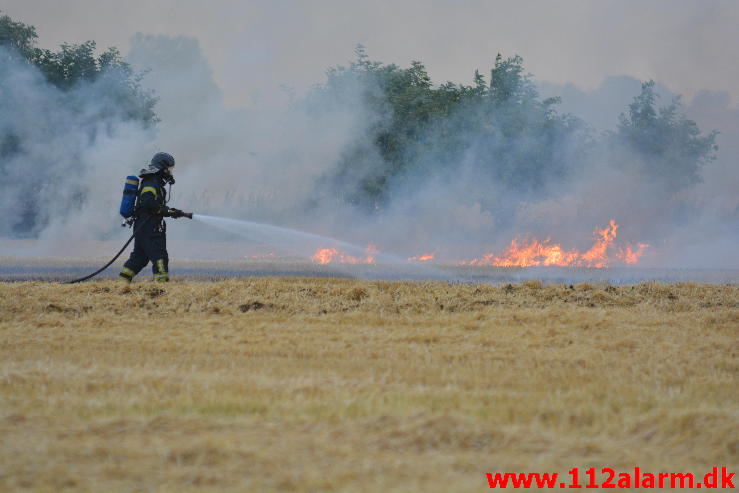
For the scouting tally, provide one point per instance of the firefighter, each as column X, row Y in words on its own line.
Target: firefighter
column 150, row 242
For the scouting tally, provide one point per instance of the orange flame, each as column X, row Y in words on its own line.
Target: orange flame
column 423, row 258
column 527, row 253
column 630, row 256
column 327, row 255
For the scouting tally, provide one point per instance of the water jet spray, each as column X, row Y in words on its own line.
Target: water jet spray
column 306, row 244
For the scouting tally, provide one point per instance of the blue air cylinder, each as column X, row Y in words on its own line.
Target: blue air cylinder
column 128, row 202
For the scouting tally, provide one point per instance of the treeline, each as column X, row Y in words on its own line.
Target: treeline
column 56, row 107
column 72, row 67
column 498, row 128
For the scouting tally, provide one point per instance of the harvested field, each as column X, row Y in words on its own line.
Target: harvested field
column 304, row 384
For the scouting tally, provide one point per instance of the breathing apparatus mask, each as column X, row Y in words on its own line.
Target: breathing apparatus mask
column 167, row 176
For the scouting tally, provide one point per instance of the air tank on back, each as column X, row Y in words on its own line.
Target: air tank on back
column 128, row 201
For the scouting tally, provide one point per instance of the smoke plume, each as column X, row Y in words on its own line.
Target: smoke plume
column 277, row 164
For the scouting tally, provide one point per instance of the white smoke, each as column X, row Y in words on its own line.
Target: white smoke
column 263, row 165
column 67, row 152
column 258, row 164
column 708, row 234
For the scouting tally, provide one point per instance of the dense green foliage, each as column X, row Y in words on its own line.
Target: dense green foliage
column 497, row 128
column 501, row 129
column 74, row 65
column 55, row 107
column 670, row 145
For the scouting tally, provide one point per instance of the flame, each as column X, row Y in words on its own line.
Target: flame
column 370, row 254
column 522, row 252
column 527, row 253
column 596, row 256
column 630, row 256
column 327, row 255
column 423, row 258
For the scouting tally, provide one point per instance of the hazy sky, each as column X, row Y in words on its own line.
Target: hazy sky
column 255, row 46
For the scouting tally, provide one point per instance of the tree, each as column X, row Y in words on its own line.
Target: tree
column 670, row 146
column 502, row 129
column 17, row 37
column 526, row 141
column 53, row 100
column 74, row 65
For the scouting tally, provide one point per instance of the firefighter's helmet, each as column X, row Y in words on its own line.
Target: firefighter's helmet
column 160, row 162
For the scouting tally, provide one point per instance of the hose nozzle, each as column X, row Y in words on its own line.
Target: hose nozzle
column 175, row 213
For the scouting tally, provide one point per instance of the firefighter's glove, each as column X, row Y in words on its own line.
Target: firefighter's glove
column 174, row 213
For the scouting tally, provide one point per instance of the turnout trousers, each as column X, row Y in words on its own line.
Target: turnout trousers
column 148, row 246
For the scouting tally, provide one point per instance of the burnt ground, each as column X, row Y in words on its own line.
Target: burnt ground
column 15, row 269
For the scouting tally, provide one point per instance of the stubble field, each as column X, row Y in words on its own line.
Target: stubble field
column 298, row 384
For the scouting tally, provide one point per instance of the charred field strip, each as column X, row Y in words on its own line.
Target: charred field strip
column 333, row 384
column 14, row 269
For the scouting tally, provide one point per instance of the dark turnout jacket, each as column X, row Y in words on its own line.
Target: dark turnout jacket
column 151, row 204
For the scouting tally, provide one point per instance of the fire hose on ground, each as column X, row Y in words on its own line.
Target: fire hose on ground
column 128, row 242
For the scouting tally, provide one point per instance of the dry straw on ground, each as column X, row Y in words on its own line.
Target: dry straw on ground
column 278, row 384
